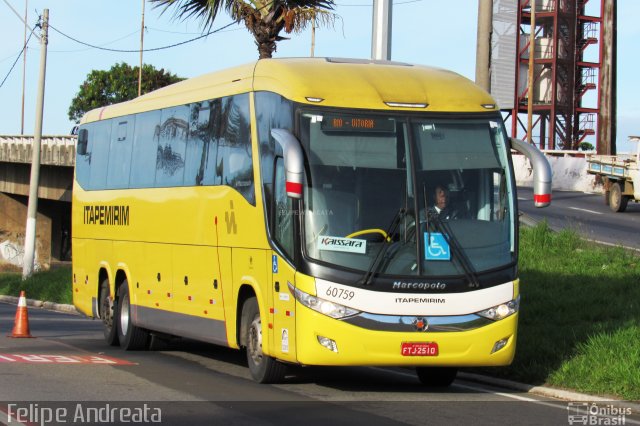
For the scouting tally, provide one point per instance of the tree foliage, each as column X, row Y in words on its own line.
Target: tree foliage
column 118, row 84
column 265, row 19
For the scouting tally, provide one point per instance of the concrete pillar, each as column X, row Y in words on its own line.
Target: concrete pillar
column 13, row 211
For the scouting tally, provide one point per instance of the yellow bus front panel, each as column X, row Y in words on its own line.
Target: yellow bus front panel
column 359, row 346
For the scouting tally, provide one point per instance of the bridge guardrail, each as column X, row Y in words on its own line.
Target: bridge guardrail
column 54, row 150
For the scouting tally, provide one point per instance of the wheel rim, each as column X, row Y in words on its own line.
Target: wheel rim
column 107, row 309
column 254, row 345
column 124, row 315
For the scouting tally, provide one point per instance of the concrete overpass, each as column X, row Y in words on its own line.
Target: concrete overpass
column 53, row 233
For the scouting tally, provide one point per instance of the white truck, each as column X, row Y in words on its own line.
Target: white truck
column 620, row 176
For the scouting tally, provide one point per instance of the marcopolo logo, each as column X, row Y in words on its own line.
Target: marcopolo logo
column 402, row 285
column 348, row 245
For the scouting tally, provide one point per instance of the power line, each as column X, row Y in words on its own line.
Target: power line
column 138, row 50
column 181, row 32
column 24, row 48
column 370, row 5
column 104, row 44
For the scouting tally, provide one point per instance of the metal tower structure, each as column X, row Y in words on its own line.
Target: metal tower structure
column 567, row 63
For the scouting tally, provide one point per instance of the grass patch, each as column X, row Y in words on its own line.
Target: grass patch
column 50, row 286
column 579, row 322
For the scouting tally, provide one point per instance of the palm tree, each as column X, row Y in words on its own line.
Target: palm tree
column 265, row 19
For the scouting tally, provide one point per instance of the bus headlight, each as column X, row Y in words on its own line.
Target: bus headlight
column 323, row 306
column 501, row 311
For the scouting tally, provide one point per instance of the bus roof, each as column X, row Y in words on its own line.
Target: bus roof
column 346, row 83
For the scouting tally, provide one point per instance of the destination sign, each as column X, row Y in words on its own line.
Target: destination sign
column 351, row 123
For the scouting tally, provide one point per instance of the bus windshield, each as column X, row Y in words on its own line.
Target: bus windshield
column 407, row 195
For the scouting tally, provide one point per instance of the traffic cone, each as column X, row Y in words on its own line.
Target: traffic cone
column 21, row 323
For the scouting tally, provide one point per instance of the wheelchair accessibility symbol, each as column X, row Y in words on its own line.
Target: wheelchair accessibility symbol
column 436, row 247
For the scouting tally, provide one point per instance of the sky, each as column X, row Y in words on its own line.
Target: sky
column 429, row 32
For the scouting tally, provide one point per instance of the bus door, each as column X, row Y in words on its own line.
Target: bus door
column 282, row 272
column 283, row 276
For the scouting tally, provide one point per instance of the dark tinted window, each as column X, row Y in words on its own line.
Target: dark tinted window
column 272, row 112
column 234, row 163
column 145, row 149
column 120, row 152
column 172, row 146
column 99, row 157
column 199, row 144
column 203, row 143
column 83, row 159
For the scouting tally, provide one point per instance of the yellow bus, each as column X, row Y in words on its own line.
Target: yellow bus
column 294, row 208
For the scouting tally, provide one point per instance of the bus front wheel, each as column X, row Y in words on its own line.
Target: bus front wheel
column 107, row 311
column 263, row 368
column 439, row 377
column 130, row 336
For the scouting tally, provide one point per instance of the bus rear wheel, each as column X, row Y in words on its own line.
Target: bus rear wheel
column 263, row 368
column 439, row 377
column 107, row 311
column 131, row 337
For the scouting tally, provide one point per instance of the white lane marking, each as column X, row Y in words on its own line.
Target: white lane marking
column 506, row 395
column 549, row 404
column 523, row 199
column 585, row 210
column 557, row 405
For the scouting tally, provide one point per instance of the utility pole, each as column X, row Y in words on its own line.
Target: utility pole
column 141, row 49
column 24, row 64
column 483, row 44
column 32, row 207
column 606, row 136
column 532, row 54
column 381, row 34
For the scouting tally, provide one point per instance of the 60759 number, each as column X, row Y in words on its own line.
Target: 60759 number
column 340, row 293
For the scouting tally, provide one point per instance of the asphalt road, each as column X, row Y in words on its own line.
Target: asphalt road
column 193, row 383
column 588, row 215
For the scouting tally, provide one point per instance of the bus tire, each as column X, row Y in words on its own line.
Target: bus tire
column 617, row 201
column 439, row 377
column 107, row 314
column 131, row 337
column 263, row 368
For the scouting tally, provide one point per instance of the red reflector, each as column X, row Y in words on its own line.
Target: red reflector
column 542, row 198
column 294, row 187
column 271, row 310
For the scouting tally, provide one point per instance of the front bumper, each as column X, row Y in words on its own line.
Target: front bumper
column 361, row 346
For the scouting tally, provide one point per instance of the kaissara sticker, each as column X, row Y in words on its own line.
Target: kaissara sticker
column 347, row 245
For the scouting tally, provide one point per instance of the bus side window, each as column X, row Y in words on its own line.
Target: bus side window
column 283, row 231
column 83, row 155
column 234, row 164
column 172, row 146
column 145, row 149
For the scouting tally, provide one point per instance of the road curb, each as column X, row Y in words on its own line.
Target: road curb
column 546, row 391
column 59, row 307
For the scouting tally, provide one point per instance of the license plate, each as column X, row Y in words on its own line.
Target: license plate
column 419, row 349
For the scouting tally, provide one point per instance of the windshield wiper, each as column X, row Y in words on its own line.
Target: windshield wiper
column 373, row 269
column 442, row 226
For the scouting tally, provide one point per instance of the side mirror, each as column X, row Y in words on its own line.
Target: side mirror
column 83, row 141
column 293, row 161
column 542, row 174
